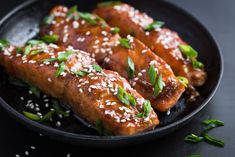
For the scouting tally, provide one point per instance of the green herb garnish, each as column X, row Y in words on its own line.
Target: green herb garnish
column 146, row 109
column 100, row 128
column 32, row 116
column 184, row 81
column 131, row 67
column 64, row 56
column 125, row 97
column 48, row 20
column 192, row 54
column 125, row 43
column 213, row 140
column 108, row 3
column 115, row 30
column 35, row 52
column 60, row 69
column 27, row 49
column 97, row 68
column 19, row 50
column 46, row 117
column 34, row 90
column 81, row 73
column 193, row 138
column 59, row 109
column 88, row 18
column 50, row 38
column 154, row 25
column 212, row 123
column 71, row 11
column 158, row 86
column 35, row 42
column 152, row 74
column 3, row 44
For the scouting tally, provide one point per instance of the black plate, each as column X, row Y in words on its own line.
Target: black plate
column 23, row 23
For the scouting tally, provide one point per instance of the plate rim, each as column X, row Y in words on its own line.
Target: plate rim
column 47, row 129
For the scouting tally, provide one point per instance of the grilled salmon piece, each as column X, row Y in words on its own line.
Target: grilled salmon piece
column 164, row 42
column 74, row 77
column 103, row 43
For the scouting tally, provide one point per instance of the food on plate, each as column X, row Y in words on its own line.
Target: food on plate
column 98, row 95
column 164, row 42
column 150, row 75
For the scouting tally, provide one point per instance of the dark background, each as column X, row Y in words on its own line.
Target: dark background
column 219, row 18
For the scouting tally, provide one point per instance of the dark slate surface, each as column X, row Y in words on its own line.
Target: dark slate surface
column 219, row 18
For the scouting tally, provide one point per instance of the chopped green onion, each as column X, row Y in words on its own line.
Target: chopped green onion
column 97, row 68
column 100, row 128
column 3, row 44
column 193, row 138
column 184, row 81
column 108, row 3
column 59, row 109
column 152, row 74
column 35, row 90
column 35, row 42
column 71, row 11
column 60, row 69
column 104, row 25
column 212, row 123
column 64, row 56
column 213, row 140
column 192, row 54
column 27, row 49
column 154, row 25
column 158, row 86
column 146, row 109
column 31, row 116
column 131, row 67
column 19, row 50
column 197, row 64
column 188, row 51
column 35, row 52
column 88, row 18
column 115, row 30
column 47, row 116
column 50, row 60
column 125, row 43
column 48, row 20
column 50, row 38
column 81, row 73
column 125, row 97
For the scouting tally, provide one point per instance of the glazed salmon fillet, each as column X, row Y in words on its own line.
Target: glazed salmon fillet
column 150, row 75
column 164, row 42
column 74, row 77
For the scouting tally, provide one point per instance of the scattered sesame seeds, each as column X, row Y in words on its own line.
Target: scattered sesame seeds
column 49, row 80
column 144, row 51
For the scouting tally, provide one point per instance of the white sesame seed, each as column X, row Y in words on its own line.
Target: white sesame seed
column 26, row 153
column 17, row 155
column 58, row 123
column 68, row 155
column 33, row 147
column 75, row 24
column 49, row 80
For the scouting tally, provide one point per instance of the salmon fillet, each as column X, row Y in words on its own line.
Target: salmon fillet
column 74, row 77
column 163, row 41
column 93, row 35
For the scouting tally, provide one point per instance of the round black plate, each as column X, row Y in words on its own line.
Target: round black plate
column 23, row 24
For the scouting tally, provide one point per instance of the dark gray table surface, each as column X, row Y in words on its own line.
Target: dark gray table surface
column 219, row 18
